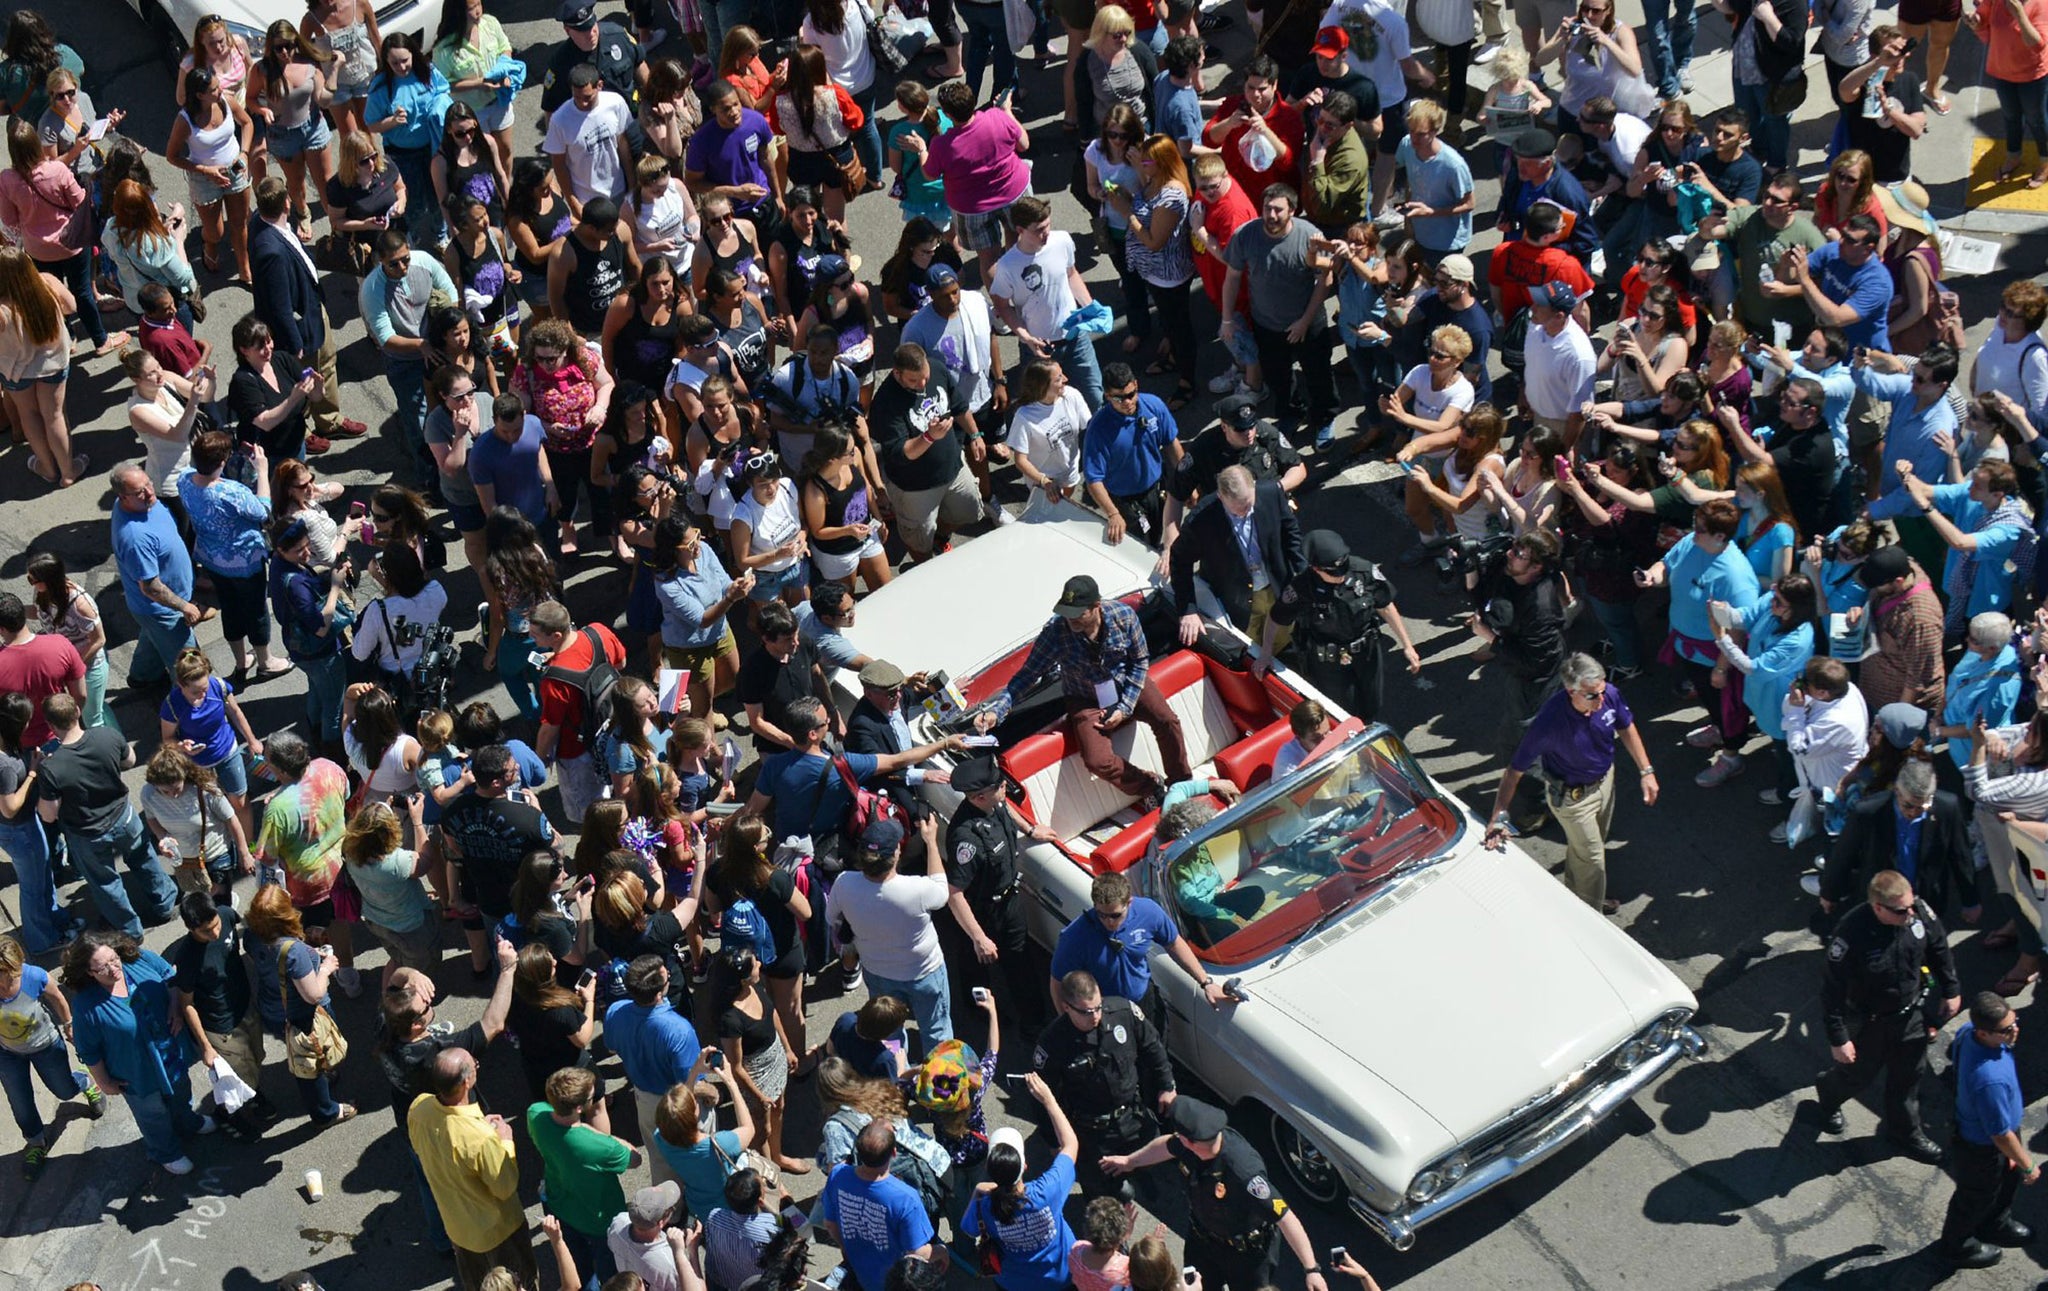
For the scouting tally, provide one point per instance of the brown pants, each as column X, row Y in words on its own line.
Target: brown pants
column 514, row 1255
column 1103, row 762
column 242, row 1047
column 326, row 409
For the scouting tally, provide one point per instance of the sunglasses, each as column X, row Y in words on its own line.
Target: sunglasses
column 1439, row 354
column 1123, row 396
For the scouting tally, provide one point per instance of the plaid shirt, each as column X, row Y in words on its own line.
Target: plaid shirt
column 1116, row 654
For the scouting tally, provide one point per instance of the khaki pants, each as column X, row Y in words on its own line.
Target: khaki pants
column 326, row 409
column 645, row 1105
column 1585, row 823
column 242, row 1047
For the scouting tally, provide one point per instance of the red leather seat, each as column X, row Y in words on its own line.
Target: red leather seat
column 1249, row 762
column 1177, row 671
column 1126, row 849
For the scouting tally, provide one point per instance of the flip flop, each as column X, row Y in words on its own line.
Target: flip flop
column 2014, row 983
column 2040, row 178
column 1941, row 104
column 2007, row 171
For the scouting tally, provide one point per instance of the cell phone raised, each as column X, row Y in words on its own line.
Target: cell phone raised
column 588, row 976
column 1188, row 1276
column 981, row 995
column 357, row 510
column 1337, row 1254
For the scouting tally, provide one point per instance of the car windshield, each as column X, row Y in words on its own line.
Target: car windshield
column 1294, row 854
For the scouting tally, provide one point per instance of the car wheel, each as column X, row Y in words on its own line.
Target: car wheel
column 1309, row 1172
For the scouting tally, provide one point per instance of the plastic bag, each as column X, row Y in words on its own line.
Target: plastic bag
column 1805, row 823
column 1019, row 24
column 230, row 1092
column 1258, row 151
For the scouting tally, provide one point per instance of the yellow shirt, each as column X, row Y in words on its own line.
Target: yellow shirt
column 473, row 1173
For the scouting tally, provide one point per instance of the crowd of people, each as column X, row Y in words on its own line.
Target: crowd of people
column 637, row 364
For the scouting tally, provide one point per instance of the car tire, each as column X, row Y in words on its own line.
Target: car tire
column 1309, row 1175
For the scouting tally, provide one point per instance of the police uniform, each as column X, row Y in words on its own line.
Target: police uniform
column 1234, row 1211
column 983, row 849
column 1337, row 643
column 1267, row 457
column 1881, row 974
column 1108, row 1080
column 616, row 58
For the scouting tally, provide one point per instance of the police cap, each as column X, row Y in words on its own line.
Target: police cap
column 976, row 774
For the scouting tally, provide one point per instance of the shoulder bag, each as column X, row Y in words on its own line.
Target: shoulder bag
column 890, row 60
column 748, row 1159
column 314, row 1053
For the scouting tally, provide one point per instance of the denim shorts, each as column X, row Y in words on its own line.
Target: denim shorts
column 495, row 117
column 56, row 379
column 768, row 587
column 467, row 516
column 289, row 143
column 232, row 772
column 206, row 193
column 347, row 94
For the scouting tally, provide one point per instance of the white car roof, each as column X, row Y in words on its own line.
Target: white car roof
column 979, row 601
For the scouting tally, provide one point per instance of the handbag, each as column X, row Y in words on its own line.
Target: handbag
column 889, row 58
column 1785, row 98
column 853, row 173
column 748, row 1159
column 988, row 1252
column 308, row 1054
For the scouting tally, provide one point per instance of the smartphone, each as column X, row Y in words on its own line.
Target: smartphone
column 1863, row 353
column 716, row 1060
column 981, row 995
column 1562, row 465
column 588, row 976
column 357, row 510
column 537, row 659
column 1337, row 1254
column 1407, row 468
column 586, row 883
column 1188, row 1275
column 307, row 374
column 1015, row 1079
column 794, row 1215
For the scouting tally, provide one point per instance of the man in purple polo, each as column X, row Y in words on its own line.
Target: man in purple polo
column 1574, row 734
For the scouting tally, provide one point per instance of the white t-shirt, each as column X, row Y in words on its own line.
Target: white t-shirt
column 1384, row 67
column 1037, row 286
column 1429, row 402
column 375, row 636
column 846, row 55
column 892, row 922
column 654, row 1261
column 1558, row 371
column 772, row 524
column 666, row 218
column 590, row 142
column 1622, row 148
column 2000, row 366
column 961, row 343
column 1049, row 435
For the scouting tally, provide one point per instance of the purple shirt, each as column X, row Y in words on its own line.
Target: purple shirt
column 1576, row 748
column 729, row 158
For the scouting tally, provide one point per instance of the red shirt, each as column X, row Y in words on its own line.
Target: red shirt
column 1633, row 289
column 1220, row 219
column 561, row 703
column 39, row 668
column 1286, row 123
column 1517, row 266
column 171, row 345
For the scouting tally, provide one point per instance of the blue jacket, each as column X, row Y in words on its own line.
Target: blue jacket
column 287, row 295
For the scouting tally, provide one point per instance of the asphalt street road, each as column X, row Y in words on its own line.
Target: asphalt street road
column 1708, row 1182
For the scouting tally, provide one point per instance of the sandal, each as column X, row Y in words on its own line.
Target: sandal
column 2040, row 178
column 1940, row 103
column 2007, row 171
column 1183, row 395
column 1161, row 366
column 210, row 257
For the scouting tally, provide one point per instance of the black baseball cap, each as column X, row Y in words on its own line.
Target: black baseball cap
column 1078, row 597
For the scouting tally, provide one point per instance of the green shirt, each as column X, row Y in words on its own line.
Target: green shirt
column 1756, row 244
column 581, row 1167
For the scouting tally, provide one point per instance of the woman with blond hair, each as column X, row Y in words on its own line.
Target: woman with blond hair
column 66, row 127
column 366, row 196
column 35, row 360
column 1159, row 252
column 396, row 908
column 289, row 91
column 142, row 250
column 210, row 140
column 304, row 974
column 161, row 409
column 1849, row 188
column 701, row 1161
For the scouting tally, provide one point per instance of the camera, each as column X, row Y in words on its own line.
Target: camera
column 432, row 678
column 1455, row 555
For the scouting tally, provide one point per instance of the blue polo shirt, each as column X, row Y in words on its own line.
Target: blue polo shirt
column 147, row 546
column 657, row 1046
column 1988, row 1101
column 1126, row 451
column 1119, row 960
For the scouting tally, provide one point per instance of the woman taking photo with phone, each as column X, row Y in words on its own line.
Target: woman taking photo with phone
column 1025, row 1219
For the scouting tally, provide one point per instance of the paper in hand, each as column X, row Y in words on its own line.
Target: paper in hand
column 99, row 129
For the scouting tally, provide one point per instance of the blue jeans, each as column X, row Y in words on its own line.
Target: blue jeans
column 76, row 273
column 721, row 16
column 1673, row 24
column 2024, row 105
column 42, row 920
column 422, row 217
column 1618, row 620
column 1076, row 355
column 985, row 33
column 931, row 1002
column 95, row 711
column 96, row 855
column 408, row 380
column 156, row 646
column 1773, row 134
column 166, row 1120
column 58, row 1075
column 326, row 679
column 518, row 674
column 320, row 1104
column 437, row 1232
column 867, row 141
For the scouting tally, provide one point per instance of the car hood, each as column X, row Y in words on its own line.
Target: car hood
column 1557, row 989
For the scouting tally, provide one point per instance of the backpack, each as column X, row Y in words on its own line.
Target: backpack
column 594, row 683
column 745, row 925
column 932, row 1188
column 867, row 805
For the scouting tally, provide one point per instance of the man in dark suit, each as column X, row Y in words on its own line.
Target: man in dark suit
column 1246, row 544
column 1914, row 829
column 286, row 292
column 878, row 725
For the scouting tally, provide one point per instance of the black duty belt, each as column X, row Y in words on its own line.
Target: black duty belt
column 1258, row 1239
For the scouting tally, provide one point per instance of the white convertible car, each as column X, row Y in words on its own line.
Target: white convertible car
column 173, row 21
column 1422, row 1019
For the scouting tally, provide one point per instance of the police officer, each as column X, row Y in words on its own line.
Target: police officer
column 1239, row 438
column 1108, row 1067
column 983, row 846
column 1236, row 1216
column 1991, row 1160
column 1331, row 607
column 1874, row 969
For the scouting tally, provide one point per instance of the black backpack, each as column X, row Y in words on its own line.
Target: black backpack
column 596, row 684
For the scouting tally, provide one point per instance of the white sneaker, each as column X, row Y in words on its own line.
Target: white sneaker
column 995, row 513
column 1770, row 798
column 350, row 982
column 1685, row 80
column 1264, row 394
column 208, row 1125
column 1778, row 834
column 183, row 1165
column 1226, row 382
column 1389, row 218
column 1810, row 884
column 1704, row 737
column 1486, row 53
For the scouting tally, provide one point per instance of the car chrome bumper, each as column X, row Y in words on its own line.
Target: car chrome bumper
column 1570, row 1121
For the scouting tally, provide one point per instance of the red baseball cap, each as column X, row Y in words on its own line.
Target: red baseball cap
column 1331, row 41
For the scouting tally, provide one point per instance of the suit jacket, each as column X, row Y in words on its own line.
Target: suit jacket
column 1208, row 543
column 1870, row 842
column 287, row 295
column 868, row 731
